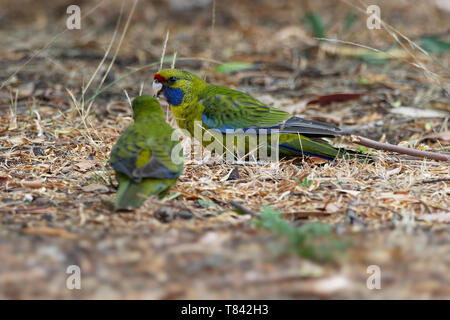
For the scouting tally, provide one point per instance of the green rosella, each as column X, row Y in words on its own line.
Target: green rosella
column 142, row 156
column 191, row 99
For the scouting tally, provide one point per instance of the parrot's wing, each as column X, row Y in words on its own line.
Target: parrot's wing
column 310, row 128
column 139, row 157
column 226, row 109
column 159, row 164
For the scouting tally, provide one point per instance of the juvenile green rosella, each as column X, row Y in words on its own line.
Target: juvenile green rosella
column 142, row 156
column 191, row 99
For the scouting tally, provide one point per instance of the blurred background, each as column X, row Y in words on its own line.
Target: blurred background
column 274, row 44
column 62, row 108
column 251, row 31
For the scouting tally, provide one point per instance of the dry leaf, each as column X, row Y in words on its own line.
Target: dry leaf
column 443, row 137
column 443, row 217
column 25, row 90
column 18, row 140
column 352, row 192
column 95, row 187
column 48, row 231
column 31, row 210
column 336, row 97
column 412, row 112
column 394, row 171
column 85, row 165
column 333, row 207
column 35, row 184
column 297, row 107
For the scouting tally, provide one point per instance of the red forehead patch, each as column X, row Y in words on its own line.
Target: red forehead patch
column 159, row 77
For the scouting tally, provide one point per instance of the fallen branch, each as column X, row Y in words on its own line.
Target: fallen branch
column 403, row 150
column 433, row 181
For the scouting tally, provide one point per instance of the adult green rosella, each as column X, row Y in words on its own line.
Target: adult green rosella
column 142, row 156
column 191, row 99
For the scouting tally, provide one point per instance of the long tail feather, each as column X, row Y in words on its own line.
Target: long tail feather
column 132, row 195
column 300, row 145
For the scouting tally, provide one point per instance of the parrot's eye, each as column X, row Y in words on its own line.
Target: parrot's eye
column 171, row 80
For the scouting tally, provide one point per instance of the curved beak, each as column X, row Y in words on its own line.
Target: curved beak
column 156, row 87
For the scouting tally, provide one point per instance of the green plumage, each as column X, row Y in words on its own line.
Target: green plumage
column 231, row 108
column 223, row 109
column 142, row 157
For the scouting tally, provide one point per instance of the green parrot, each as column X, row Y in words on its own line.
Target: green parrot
column 192, row 100
column 142, row 157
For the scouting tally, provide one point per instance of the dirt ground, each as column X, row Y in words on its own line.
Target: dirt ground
column 56, row 197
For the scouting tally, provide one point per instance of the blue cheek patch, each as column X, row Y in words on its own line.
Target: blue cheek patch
column 174, row 95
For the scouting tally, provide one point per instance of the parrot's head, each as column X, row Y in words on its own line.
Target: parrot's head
column 178, row 86
column 145, row 105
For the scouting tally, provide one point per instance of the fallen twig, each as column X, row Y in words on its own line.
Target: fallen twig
column 403, row 150
column 243, row 209
column 434, row 180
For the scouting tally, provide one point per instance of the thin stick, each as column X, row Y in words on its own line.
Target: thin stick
column 403, row 150
column 174, row 60
column 434, row 181
column 211, row 34
column 244, row 210
column 13, row 121
column 393, row 33
column 119, row 45
column 128, row 97
column 164, row 50
column 213, row 22
column 45, row 47
column 107, row 51
column 127, row 23
column 165, row 203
